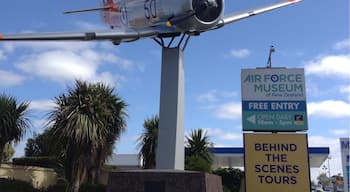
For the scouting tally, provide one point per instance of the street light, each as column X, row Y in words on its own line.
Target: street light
column 329, row 167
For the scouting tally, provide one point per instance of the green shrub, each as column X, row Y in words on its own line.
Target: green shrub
column 195, row 163
column 110, row 167
column 231, row 178
column 60, row 186
column 92, row 188
column 46, row 162
column 11, row 185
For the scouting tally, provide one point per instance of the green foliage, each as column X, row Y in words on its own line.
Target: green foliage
column 92, row 188
column 147, row 142
column 42, row 145
column 11, row 185
column 110, row 167
column 46, row 162
column 323, row 179
column 9, row 151
column 13, row 121
column 198, row 144
column 87, row 121
column 48, row 153
column 60, row 186
column 195, row 163
column 231, row 178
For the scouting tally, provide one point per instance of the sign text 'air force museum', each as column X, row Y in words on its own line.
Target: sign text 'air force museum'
column 273, row 99
column 276, row 162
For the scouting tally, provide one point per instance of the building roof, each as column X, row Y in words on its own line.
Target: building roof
column 223, row 157
column 234, row 156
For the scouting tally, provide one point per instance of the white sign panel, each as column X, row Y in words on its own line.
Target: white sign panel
column 279, row 84
column 344, row 146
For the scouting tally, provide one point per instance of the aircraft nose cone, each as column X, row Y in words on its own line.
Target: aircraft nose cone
column 207, row 10
column 211, row 3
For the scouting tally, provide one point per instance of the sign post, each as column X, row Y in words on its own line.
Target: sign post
column 273, row 99
column 276, row 162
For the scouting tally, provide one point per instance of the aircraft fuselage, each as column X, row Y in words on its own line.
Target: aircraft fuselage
column 179, row 15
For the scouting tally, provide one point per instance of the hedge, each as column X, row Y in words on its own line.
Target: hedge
column 46, row 162
column 11, row 185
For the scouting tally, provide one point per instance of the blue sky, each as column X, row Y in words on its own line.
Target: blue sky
column 312, row 34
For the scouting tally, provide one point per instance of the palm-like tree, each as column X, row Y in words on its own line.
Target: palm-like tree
column 198, row 145
column 147, row 142
column 87, row 120
column 13, row 121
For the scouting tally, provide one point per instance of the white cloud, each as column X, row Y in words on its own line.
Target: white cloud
column 89, row 26
column 240, row 53
column 208, row 97
column 39, row 123
column 42, row 105
column 221, row 135
column 345, row 89
column 59, row 65
column 66, row 61
column 329, row 109
column 19, row 148
column 121, row 62
column 2, row 55
column 232, row 136
column 8, row 47
column 342, row 45
column 36, row 47
column 10, row 79
column 66, row 65
column 229, row 94
column 215, row 95
column 340, row 132
column 232, row 110
column 336, row 66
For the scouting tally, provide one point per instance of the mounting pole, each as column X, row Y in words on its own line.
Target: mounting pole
column 170, row 153
column 170, row 149
column 269, row 62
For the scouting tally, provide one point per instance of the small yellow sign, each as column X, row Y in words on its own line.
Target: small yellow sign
column 276, row 162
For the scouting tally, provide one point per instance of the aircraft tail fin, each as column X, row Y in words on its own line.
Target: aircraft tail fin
column 110, row 11
column 111, row 14
column 105, row 3
column 86, row 10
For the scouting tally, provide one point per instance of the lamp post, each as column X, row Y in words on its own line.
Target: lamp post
column 327, row 171
column 329, row 167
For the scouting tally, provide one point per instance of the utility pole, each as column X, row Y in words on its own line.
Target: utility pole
column 269, row 60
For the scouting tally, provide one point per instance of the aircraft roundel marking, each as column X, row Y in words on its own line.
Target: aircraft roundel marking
column 123, row 14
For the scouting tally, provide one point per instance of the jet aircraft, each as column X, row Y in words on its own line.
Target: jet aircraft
column 130, row 20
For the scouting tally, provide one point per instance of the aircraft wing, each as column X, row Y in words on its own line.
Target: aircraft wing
column 120, row 35
column 236, row 17
column 115, row 35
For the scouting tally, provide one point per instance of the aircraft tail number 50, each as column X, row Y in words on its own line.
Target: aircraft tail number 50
column 150, row 7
